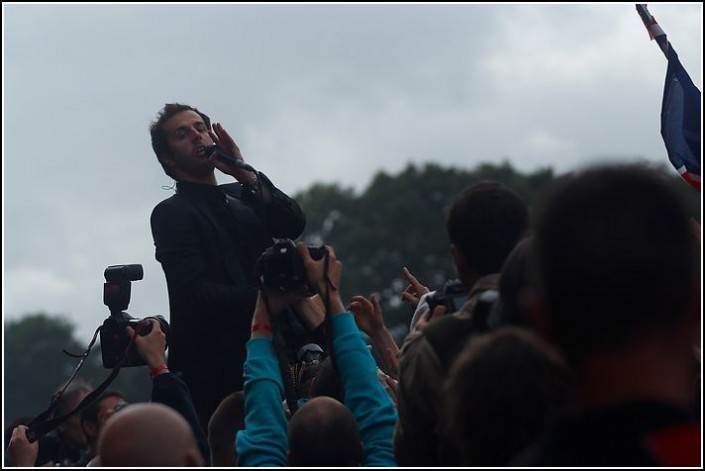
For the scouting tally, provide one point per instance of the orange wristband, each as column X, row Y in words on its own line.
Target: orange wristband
column 256, row 327
column 157, row 369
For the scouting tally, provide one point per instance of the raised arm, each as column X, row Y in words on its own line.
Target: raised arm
column 369, row 318
column 364, row 395
column 167, row 387
column 264, row 441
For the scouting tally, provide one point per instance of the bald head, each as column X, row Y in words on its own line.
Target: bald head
column 148, row 434
column 323, row 432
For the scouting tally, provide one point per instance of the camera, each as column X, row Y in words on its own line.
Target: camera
column 281, row 266
column 453, row 296
column 114, row 340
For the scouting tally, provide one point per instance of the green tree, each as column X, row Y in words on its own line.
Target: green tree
column 34, row 362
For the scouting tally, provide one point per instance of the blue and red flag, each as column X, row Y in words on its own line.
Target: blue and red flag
column 680, row 109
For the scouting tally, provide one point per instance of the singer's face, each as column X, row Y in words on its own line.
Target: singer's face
column 188, row 137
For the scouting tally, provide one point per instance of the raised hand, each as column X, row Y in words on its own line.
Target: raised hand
column 151, row 346
column 324, row 282
column 224, row 141
column 368, row 313
column 412, row 294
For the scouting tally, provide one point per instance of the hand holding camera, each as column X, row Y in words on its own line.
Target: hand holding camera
column 291, row 269
column 323, row 276
column 150, row 341
column 281, row 267
column 452, row 296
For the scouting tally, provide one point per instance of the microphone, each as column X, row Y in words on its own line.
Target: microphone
column 210, row 148
column 227, row 157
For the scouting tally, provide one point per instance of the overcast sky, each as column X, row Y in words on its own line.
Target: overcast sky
column 331, row 93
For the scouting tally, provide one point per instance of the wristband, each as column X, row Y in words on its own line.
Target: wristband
column 258, row 326
column 157, row 369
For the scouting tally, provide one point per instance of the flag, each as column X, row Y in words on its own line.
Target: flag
column 680, row 108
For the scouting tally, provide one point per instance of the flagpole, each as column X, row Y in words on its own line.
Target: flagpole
column 652, row 26
column 680, row 107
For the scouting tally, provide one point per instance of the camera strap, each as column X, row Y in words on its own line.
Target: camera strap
column 326, row 295
column 41, row 425
column 328, row 319
column 288, row 378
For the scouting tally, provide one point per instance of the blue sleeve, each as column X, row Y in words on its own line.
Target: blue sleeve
column 364, row 395
column 264, row 441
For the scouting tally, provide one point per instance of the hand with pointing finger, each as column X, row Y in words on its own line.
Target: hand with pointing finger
column 412, row 294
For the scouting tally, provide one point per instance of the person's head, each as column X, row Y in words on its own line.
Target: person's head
column 179, row 136
column 69, row 431
column 226, row 421
column 484, row 223
column 615, row 260
column 327, row 381
column 513, row 285
column 94, row 416
column 498, row 394
column 323, row 432
column 148, row 435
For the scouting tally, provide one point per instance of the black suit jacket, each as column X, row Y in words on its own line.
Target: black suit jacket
column 207, row 239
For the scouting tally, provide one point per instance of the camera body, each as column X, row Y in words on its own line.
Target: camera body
column 281, row 266
column 113, row 337
column 453, row 296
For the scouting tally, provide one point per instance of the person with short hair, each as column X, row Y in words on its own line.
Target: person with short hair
column 148, row 435
column 618, row 291
column 207, row 239
column 500, row 391
column 93, row 418
column 485, row 222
